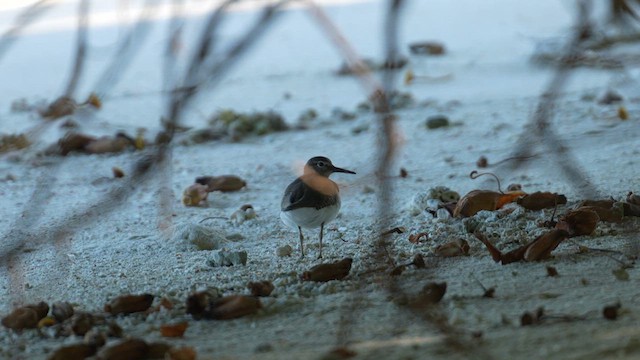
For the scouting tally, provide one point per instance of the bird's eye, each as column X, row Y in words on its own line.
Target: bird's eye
column 320, row 163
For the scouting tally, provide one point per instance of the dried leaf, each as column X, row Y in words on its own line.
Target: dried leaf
column 73, row 352
column 552, row 271
column 395, row 230
column 62, row 106
column 326, row 272
column 610, row 312
column 579, row 222
column 131, row 349
column 415, row 238
column 457, row 247
column 614, row 213
column 117, row 172
column 478, row 200
column 194, row 195
column 128, row 304
column 224, row 183
column 174, row 330
column 398, row 270
column 74, row 142
column 261, row 288
column 62, row 311
column 621, row 274
column 630, row 209
column 541, row 200
column 418, row 261
column 633, row 198
column 13, row 142
column 182, row 353
column 544, row 244
column 432, row 292
column 234, row 306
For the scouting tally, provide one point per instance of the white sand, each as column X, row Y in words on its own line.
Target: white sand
column 126, row 251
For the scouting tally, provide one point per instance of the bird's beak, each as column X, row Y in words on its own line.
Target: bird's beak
column 337, row 169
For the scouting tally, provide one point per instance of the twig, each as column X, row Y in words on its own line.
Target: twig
column 545, row 111
column 81, row 47
column 23, row 20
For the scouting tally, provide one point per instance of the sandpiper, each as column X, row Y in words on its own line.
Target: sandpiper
column 312, row 200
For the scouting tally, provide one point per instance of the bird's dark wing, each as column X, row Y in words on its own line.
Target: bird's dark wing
column 299, row 195
column 293, row 194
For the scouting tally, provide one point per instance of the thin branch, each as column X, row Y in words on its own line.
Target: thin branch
column 23, row 20
column 81, row 47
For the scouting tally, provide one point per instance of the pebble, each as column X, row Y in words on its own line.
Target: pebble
column 437, row 121
column 283, row 251
column 203, row 237
column 228, row 258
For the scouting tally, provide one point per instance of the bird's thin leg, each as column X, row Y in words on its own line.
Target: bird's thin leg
column 321, row 231
column 301, row 242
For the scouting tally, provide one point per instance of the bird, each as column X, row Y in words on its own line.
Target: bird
column 312, row 200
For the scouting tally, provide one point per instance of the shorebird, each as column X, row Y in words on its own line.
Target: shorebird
column 312, row 200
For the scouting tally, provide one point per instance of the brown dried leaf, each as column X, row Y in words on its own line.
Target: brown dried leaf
column 132, row 349
column 457, row 247
column 614, row 213
column 128, row 304
column 62, row 106
column 199, row 304
column 261, row 288
column 478, row 200
column 224, row 183
column 81, row 323
column 432, row 292
column 21, row 318
column 610, row 312
column 482, row 162
column 94, row 101
column 630, row 209
column 234, row 306
column 496, row 255
column 543, row 245
column 106, row 145
column 332, row 271
column 62, row 311
column 398, row 270
column 606, row 203
column 182, row 353
column 541, row 200
column 633, row 198
column 117, row 172
column 579, row 222
column 415, row 238
column 395, row 230
column 74, row 142
column 174, row 330
column 194, row 195
column 73, row 352
column 46, row 322
column 418, row 261
column 13, row 142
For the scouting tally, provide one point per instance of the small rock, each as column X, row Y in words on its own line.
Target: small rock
column 283, row 251
column 61, row 311
column 128, row 304
column 610, row 97
column 427, row 48
column 228, row 258
column 203, row 237
column 261, row 288
column 437, row 121
column 246, row 212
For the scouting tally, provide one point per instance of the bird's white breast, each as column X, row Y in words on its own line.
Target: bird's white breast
column 310, row 217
